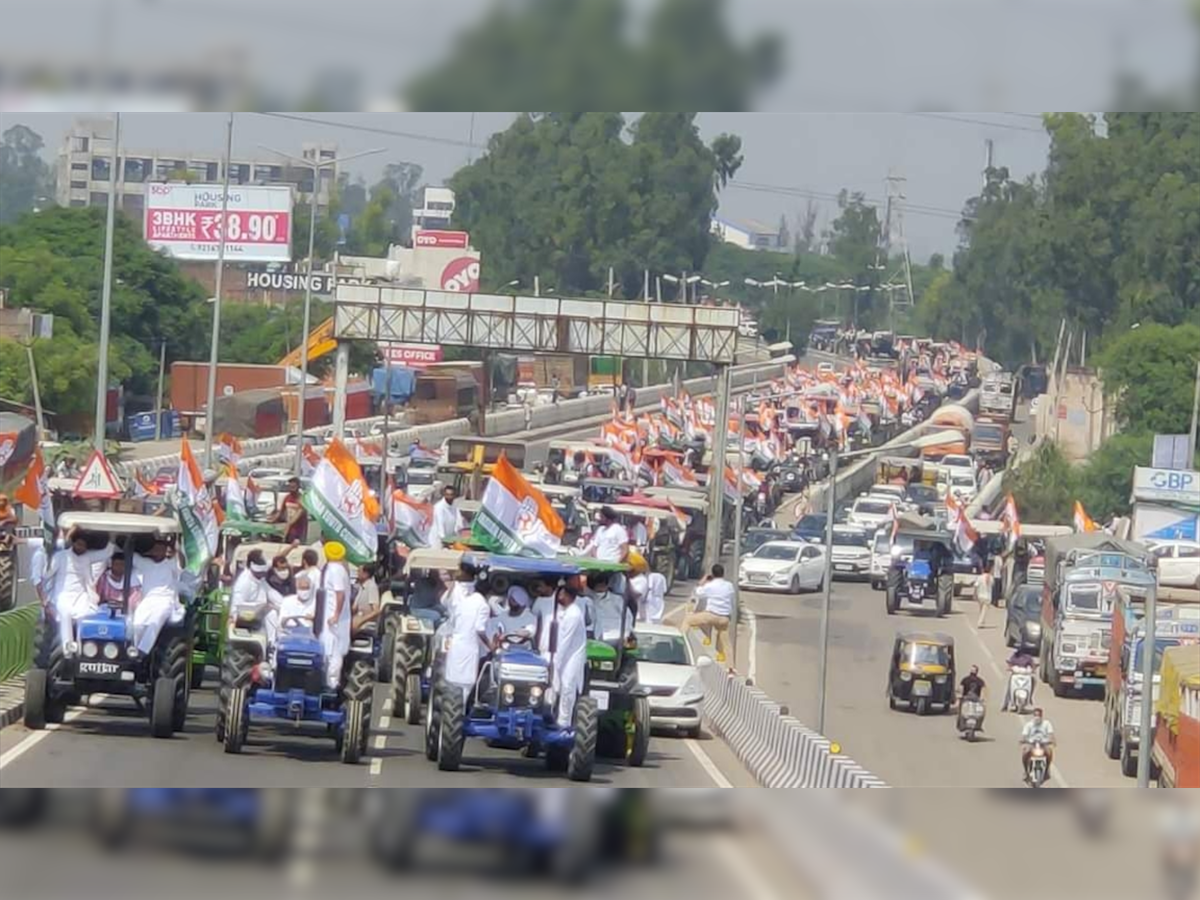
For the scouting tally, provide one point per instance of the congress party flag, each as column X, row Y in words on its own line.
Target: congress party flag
column 340, row 500
column 199, row 514
column 515, row 518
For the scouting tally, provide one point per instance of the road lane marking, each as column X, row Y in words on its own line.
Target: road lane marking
column 387, row 705
column 750, row 876
column 385, row 721
column 380, row 741
column 706, row 763
column 1055, row 772
column 376, row 766
column 12, row 754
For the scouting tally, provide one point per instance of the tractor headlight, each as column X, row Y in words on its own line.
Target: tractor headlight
column 90, row 649
column 906, row 676
column 508, row 692
column 132, row 652
column 940, row 679
column 535, row 693
column 111, row 651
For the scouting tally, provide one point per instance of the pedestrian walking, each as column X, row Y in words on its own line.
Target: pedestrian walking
column 983, row 595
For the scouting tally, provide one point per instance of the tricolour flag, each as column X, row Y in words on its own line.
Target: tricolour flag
column 235, row 494
column 229, row 449
column 965, row 535
column 516, row 518
column 341, row 501
column 411, row 519
column 1012, row 523
column 1083, row 522
column 199, row 515
column 34, row 493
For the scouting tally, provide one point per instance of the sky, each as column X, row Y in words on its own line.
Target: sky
column 787, row 156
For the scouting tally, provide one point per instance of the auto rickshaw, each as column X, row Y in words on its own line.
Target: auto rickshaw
column 921, row 672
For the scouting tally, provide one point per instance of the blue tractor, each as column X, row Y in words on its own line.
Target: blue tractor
column 291, row 688
column 257, row 820
column 923, row 579
column 103, row 658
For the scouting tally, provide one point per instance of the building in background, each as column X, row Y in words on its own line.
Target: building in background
column 435, row 211
column 747, row 234
column 85, row 157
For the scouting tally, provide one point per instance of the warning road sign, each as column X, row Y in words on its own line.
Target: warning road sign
column 98, row 480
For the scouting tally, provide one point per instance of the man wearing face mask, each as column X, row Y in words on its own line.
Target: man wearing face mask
column 72, row 579
column 252, row 594
column 516, row 618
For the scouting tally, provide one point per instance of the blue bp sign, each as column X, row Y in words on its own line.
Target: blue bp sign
column 1180, row 530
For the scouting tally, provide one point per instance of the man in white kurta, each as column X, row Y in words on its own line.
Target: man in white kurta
column 335, row 631
column 468, row 640
column 568, row 654
column 159, row 572
column 515, row 618
column 74, row 571
column 252, row 594
column 447, row 520
column 650, row 607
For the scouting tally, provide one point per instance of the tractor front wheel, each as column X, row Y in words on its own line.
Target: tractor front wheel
column 237, row 725
column 162, row 707
column 37, row 689
column 945, row 594
column 354, row 736
column 582, row 758
column 412, row 698
column 641, row 732
column 450, row 735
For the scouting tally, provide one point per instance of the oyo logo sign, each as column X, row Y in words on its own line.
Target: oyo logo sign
column 461, row 275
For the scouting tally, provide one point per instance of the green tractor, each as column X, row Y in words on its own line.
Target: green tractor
column 624, row 704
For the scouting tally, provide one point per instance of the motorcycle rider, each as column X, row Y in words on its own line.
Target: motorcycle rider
column 972, row 685
column 1019, row 660
column 1037, row 730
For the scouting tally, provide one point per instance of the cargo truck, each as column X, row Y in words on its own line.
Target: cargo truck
column 1176, row 752
column 1176, row 623
column 1084, row 575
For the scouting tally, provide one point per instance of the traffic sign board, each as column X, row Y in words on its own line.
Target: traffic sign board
column 98, row 480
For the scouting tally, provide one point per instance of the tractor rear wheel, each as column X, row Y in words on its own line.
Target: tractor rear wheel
column 641, row 732
column 237, row 725
column 582, row 757
column 8, row 579
column 450, row 735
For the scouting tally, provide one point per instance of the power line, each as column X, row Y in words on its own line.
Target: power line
column 1007, row 126
column 371, row 129
column 783, row 190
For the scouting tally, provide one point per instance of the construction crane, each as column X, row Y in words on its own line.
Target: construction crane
column 320, row 342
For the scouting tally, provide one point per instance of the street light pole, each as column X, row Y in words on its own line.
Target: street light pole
column 106, row 292
column 211, row 408
column 827, row 588
column 1191, row 443
column 317, row 165
column 1146, row 724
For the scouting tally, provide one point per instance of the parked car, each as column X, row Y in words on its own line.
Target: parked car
column 958, row 461
column 667, row 667
column 1177, row 562
column 851, row 552
column 872, row 513
column 923, row 497
column 810, row 528
column 792, row 566
column 1023, row 618
column 756, row 537
column 962, row 484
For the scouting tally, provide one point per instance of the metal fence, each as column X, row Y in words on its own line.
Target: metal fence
column 17, row 628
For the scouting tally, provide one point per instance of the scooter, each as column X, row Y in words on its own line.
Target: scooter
column 971, row 711
column 1020, row 689
column 1039, row 765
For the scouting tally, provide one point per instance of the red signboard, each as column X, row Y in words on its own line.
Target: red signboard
column 434, row 238
column 414, row 356
column 461, row 275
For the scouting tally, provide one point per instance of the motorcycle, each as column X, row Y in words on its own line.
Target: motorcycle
column 970, row 717
column 1039, row 765
column 1020, row 689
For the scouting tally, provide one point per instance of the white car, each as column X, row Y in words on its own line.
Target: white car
column 958, row 461
column 851, row 552
column 667, row 667
column 791, row 566
column 897, row 493
column 872, row 513
column 1178, row 563
column 962, row 484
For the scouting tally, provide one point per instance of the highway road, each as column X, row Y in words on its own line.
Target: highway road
column 779, row 646
column 112, row 743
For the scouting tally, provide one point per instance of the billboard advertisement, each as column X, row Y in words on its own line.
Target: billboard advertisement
column 184, row 220
column 415, row 356
column 456, row 240
column 460, row 274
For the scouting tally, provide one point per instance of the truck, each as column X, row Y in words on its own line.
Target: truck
column 998, row 395
column 1084, row 574
column 1176, row 624
column 1176, row 750
column 989, row 441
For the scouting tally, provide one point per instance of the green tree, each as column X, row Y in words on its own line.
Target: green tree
column 1045, row 488
column 26, row 182
column 1106, row 481
column 592, row 194
column 567, row 55
column 1151, row 371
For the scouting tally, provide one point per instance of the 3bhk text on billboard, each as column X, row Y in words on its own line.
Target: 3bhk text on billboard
column 185, row 221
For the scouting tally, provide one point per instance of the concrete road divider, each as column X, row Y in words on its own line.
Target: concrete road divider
column 775, row 747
